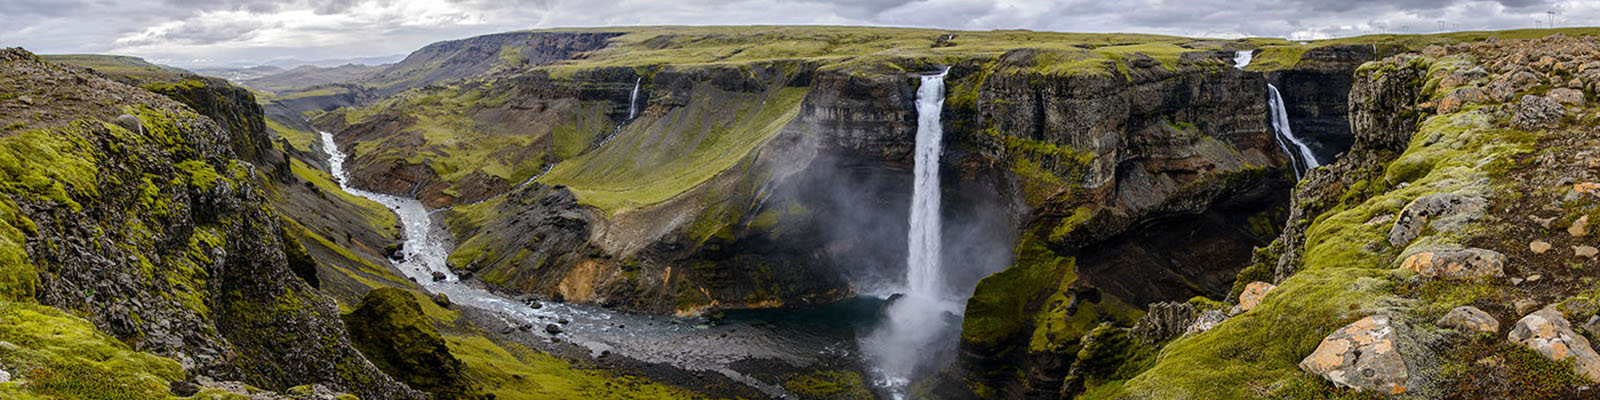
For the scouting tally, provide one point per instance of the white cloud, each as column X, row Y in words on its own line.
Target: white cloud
column 244, row 31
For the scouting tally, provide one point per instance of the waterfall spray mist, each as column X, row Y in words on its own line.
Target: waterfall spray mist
column 916, row 320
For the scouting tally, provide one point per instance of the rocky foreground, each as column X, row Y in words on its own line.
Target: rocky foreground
column 1449, row 254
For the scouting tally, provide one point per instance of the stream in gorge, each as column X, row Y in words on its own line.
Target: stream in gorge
column 797, row 337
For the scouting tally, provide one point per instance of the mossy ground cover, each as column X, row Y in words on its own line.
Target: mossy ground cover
column 53, row 354
column 511, row 371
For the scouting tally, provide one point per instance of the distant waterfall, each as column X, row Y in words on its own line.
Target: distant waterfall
column 916, row 319
column 1303, row 161
column 1242, row 58
column 633, row 111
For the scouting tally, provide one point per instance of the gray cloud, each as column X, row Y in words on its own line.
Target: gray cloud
column 245, row 31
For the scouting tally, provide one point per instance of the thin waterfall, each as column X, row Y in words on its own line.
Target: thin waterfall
column 1280, row 127
column 633, row 111
column 1242, row 58
column 916, row 319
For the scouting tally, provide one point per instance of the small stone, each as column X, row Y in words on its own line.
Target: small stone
column 1539, row 246
column 1543, row 222
column 562, row 320
column 525, row 327
column 1525, row 306
column 4, row 376
column 1535, row 278
column 552, row 329
column 1207, row 320
column 1469, row 317
column 1549, row 333
column 1585, row 251
column 1516, row 281
column 1586, row 187
column 1579, row 227
column 438, row 276
column 1252, row 295
column 1457, row 264
column 1361, row 356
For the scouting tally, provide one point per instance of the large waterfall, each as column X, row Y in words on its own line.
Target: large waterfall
column 1303, row 161
column 917, row 318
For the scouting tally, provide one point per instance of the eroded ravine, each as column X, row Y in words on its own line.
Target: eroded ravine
column 696, row 344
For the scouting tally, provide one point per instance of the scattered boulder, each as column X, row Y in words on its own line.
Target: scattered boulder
column 1539, row 246
column 442, row 300
column 1585, row 251
column 1415, row 216
column 4, row 376
column 1460, row 97
column 1567, row 96
column 1469, row 318
column 1361, row 356
column 1252, row 295
column 438, row 276
column 1207, row 320
column 1579, row 227
column 1164, row 321
column 1504, row 87
column 552, row 329
column 1457, row 264
column 1549, row 333
column 1535, row 112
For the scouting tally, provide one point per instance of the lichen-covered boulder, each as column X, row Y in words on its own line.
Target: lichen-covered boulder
column 1457, row 264
column 1361, row 356
column 1252, row 295
column 1567, row 96
column 1416, row 215
column 1469, row 318
column 1535, row 112
column 1546, row 331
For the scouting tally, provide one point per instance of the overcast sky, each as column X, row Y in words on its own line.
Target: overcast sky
column 200, row 32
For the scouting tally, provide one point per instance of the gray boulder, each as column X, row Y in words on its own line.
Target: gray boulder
column 1361, row 356
column 1457, row 264
column 1547, row 332
column 1469, row 318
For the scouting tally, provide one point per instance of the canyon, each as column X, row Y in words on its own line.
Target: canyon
column 693, row 212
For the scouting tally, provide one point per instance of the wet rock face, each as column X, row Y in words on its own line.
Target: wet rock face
column 1548, row 332
column 1469, row 318
column 1457, row 264
column 1361, row 356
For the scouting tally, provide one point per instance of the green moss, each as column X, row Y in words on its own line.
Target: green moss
column 52, row 355
column 201, row 175
column 391, row 330
column 996, row 310
column 838, row 384
column 1277, row 57
column 513, row 372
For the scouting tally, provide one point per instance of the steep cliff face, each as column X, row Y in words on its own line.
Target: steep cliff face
column 1142, row 187
column 456, row 59
column 133, row 211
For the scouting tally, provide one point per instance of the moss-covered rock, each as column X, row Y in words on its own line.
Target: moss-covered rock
column 391, row 330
